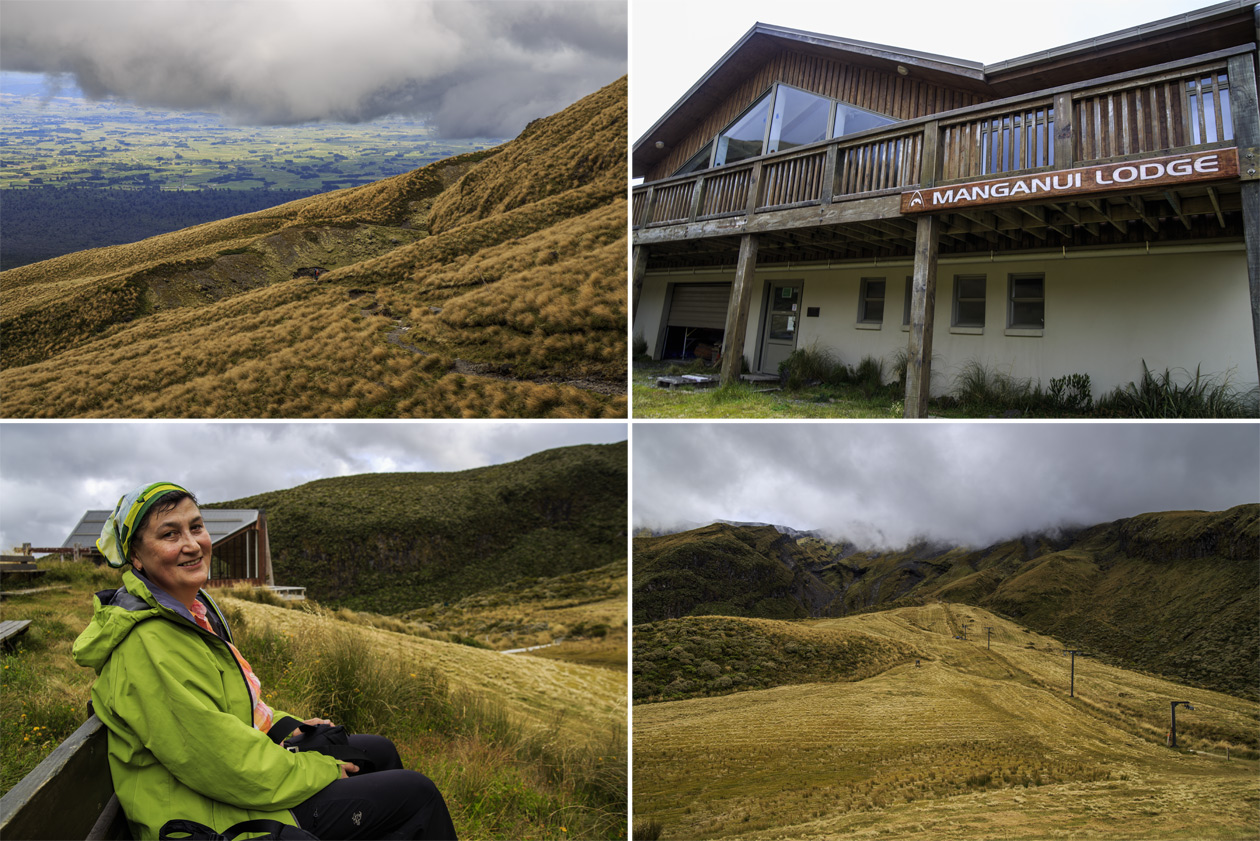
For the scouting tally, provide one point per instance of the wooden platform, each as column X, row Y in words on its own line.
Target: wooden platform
column 4, row 594
column 13, row 628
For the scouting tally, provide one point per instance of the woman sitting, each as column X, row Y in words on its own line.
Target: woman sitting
column 190, row 736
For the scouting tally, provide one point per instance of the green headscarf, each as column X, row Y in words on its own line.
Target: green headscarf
column 118, row 531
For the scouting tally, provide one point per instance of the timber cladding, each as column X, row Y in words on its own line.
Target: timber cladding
column 903, row 98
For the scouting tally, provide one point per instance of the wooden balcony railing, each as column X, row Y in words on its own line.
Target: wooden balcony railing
column 1179, row 106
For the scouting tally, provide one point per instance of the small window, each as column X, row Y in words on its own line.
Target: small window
column 1027, row 301
column 969, row 300
column 905, row 315
column 871, row 307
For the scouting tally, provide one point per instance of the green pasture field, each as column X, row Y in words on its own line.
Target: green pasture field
column 71, row 142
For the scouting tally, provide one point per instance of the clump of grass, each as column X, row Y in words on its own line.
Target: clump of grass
column 648, row 830
column 814, row 365
column 1163, row 396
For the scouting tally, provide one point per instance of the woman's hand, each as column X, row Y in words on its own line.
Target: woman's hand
column 298, row 730
column 348, row 766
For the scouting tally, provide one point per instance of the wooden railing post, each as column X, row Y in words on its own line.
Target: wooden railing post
column 649, row 206
column 923, row 289
column 737, row 310
column 1246, row 112
column 830, row 175
column 697, row 194
column 1064, row 131
column 754, row 192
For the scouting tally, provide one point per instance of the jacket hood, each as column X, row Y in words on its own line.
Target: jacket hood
column 116, row 612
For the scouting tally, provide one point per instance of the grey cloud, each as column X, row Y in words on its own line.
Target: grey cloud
column 472, row 67
column 51, row 473
column 973, row 484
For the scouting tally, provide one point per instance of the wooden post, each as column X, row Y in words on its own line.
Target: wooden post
column 1064, row 131
column 737, row 310
column 1246, row 113
column 923, row 295
column 639, row 257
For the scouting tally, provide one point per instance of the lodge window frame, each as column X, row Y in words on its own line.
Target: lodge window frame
column 864, row 320
column 1026, row 328
column 969, row 326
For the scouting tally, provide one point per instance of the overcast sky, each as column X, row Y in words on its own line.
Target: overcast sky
column 478, row 68
column 50, row 473
column 675, row 42
column 963, row 483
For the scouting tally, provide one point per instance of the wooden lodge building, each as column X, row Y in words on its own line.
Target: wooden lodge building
column 240, row 548
column 1087, row 209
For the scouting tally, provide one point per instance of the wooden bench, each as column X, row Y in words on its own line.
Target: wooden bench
column 12, row 628
column 68, row 795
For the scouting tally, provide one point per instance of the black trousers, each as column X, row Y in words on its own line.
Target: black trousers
column 390, row 803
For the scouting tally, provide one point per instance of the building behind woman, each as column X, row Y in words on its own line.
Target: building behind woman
column 190, row 736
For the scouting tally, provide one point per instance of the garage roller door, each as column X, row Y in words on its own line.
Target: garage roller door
column 699, row 305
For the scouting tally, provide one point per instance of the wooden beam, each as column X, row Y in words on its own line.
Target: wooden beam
column 1040, row 215
column 737, row 310
column 1216, row 205
column 1244, row 105
column 922, row 315
column 636, row 289
column 1175, row 201
column 1136, row 203
column 1104, row 210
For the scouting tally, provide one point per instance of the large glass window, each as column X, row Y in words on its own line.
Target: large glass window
column 851, row 119
column 699, row 161
column 799, row 118
column 746, row 136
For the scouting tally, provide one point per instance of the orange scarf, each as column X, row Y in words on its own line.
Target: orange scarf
column 262, row 712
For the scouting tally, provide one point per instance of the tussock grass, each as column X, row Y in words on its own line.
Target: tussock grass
column 504, row 774
column 973, row 743
column 511, row 259
column 1198, row 396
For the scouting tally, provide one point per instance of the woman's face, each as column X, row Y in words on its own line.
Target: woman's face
column 173, row 550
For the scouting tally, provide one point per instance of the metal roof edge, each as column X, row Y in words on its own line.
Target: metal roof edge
column 1141, row 32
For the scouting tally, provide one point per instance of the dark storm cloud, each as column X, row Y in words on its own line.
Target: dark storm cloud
column 473, row 67
column 974, row 484
column 51, row 473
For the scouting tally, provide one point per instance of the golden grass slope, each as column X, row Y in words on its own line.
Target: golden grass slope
column 458, row 290
column 587, row 700
column 973, row 744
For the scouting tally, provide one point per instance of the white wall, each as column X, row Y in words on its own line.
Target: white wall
column 1104, row 315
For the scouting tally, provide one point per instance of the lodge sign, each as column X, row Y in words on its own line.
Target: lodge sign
column 1170, row 171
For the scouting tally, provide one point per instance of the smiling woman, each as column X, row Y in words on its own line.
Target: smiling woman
column 185, row 743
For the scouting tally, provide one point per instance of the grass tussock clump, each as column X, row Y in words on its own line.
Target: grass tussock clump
column 709, row 655
column 1198, row 396
column 500, row 778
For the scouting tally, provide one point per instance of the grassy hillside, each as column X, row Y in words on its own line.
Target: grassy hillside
column 392, row 542
column 490, row 284
column 521, row 748
column 974, row 743
column 585, row 610
column 1174, row 592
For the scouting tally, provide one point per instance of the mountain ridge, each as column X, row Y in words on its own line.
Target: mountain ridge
column 1175, row 592
column 392, row 542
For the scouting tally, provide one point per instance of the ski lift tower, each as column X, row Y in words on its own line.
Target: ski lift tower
column 1172, row 742
column 1074, row 652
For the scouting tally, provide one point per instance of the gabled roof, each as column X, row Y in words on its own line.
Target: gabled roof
column 222, row 523
column 1181, row 36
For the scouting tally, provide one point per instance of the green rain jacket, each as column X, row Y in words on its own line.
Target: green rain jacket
column 182, row 744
